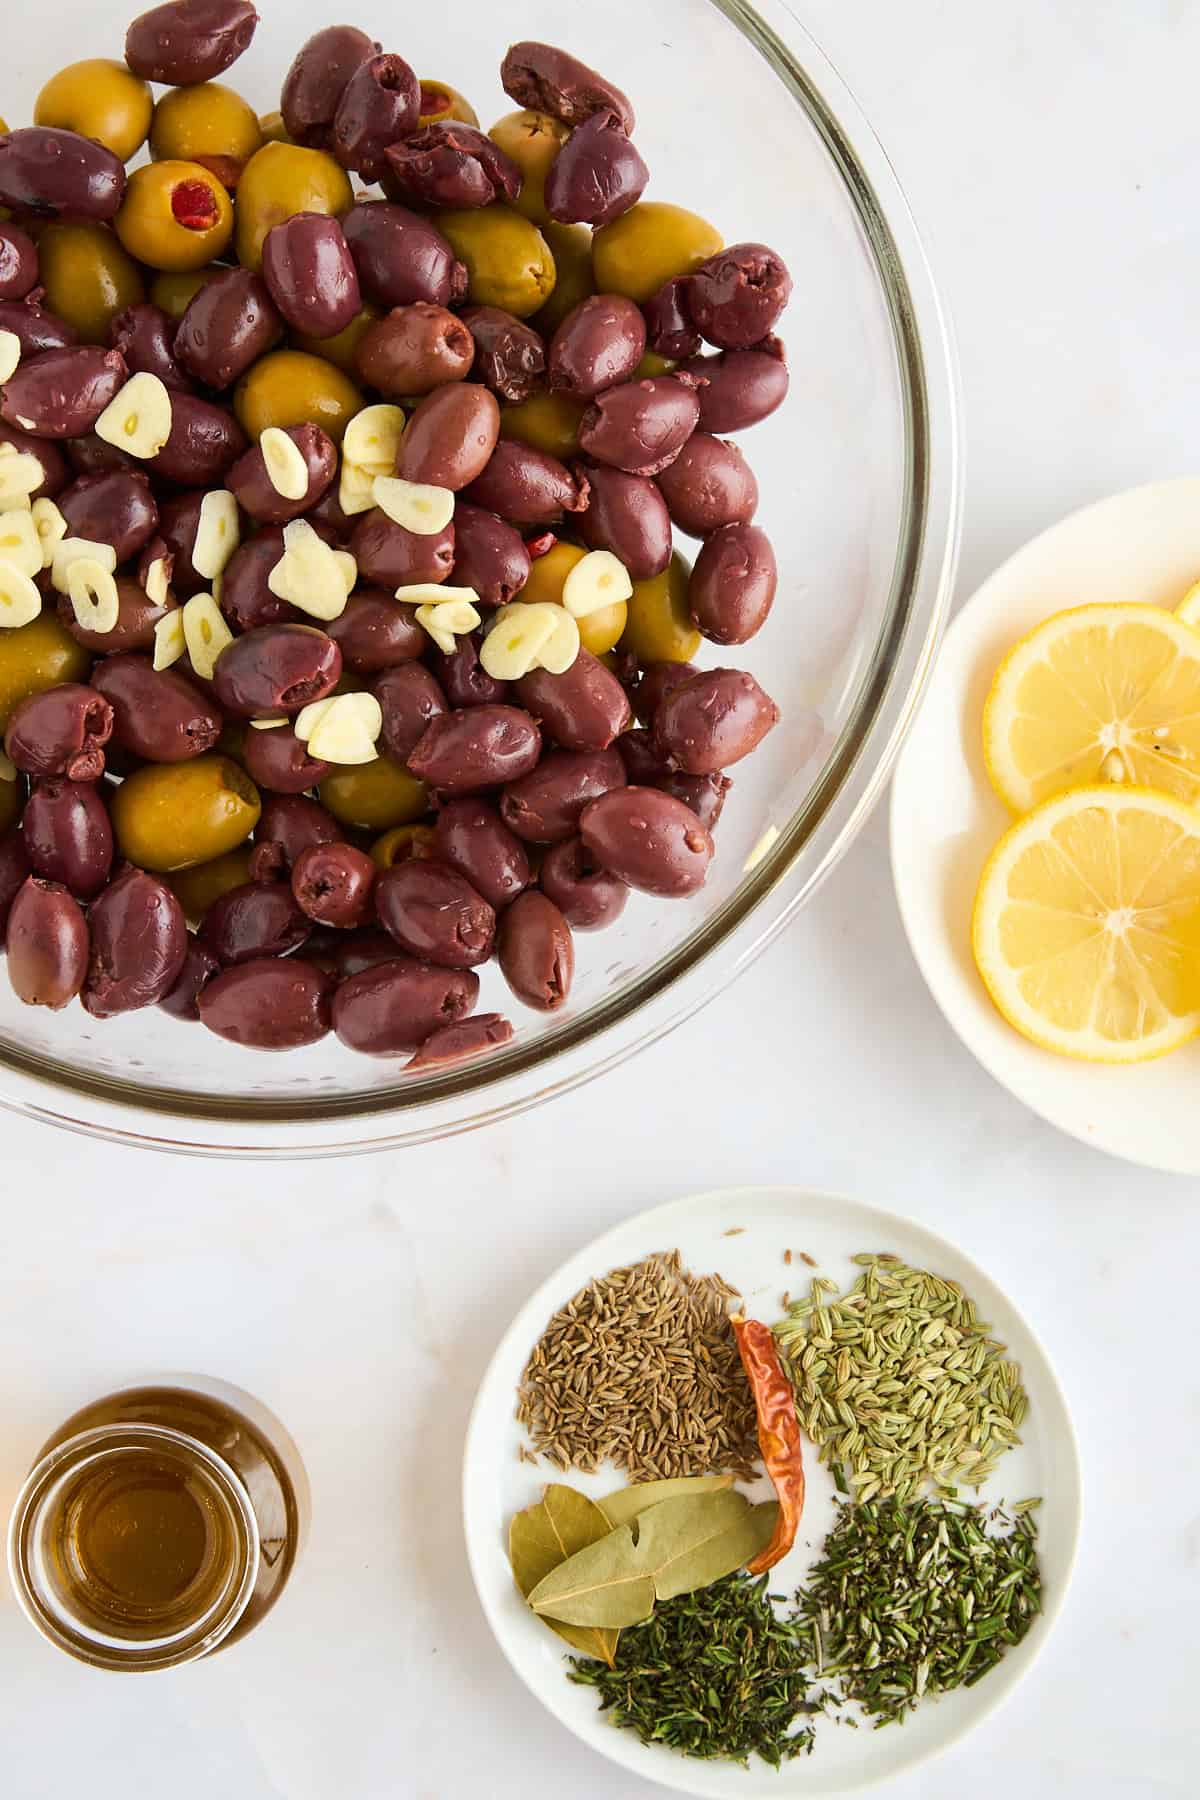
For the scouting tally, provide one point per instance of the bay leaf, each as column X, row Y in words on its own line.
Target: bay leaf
column 625, row 1505
column 602, row 1585
column 545, row 1535
column 692, row 1541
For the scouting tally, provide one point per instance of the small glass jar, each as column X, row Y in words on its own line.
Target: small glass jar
column 158, row 1524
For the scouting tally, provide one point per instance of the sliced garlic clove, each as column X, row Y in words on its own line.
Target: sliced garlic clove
column 447, row 621
column 418, row 507
column 10, row 354
column 217, row 533
column 356, row 488
column 348, row 567
column 598, row 580
column 20, row 598
column 562, row 646
column 170, row 644
column 308, row 575
column 513, row 646
column 20, row 476
column 428, row 593
column 70, row 550
column 93, row 593
column 158, row 591
column 308, row 718
column 20, row 543
column 266, row 724
column 51, row 528
column 348, row 730
column 372, row 438
column 205, row 633
column 139, row 419
column 284, row 462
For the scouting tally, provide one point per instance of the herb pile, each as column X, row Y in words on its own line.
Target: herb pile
column 899, row 1383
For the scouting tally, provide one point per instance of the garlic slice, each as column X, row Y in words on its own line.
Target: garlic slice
column 19, row 542
column 206, row 634
column 418, row 507
column 598, row 580
column 514, row 644
column 93, row 593
column 309, row 574
column 70, row 549
column 138, row 420
column 20, row 598
column 284, row 463
column 51, row 528
column 217, row 533
column 446, row 621
column 347, row 731
column 170, row 644
column 372, row 438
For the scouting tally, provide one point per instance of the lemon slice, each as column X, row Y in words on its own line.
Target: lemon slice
column 1100, row 693
column 1087, row 924
column 1189, row 607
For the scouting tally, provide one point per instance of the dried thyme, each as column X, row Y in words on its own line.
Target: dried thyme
column 898, row 1382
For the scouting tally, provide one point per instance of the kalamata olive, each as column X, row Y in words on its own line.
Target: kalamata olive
column 158, row 714
column 92, row 455
column 145, row 335
column 329, row 519
column 470, row 836
column 346, row 953
column 18, row 262
column 272, row 1003
column 276, row 669
column 489, row 555
column 702, row 794
column 47, row 940
column 68, row 837
column 450, row 436
column 187, row 41
column 712, row 721
column 597, row 175
column 395, row 1005
column 709, row 484
column 669, row 328
column 205, row 442
column 549, row 80
column 229, row 324
column 255, row 492
column 435, row 914
column 414, row 349
column 458, row 1043
column 627, row 515
column 317, row 79
column 310, row 273
column 137, row 615
column 334, row 884
column 736, row 297
column 396, row 557
column 62, row 393
column 510, row 357
column 246, row 599
column 587, row 896
column 544, row 807
column 61, row 731
column 476, row 747
column 450, row 164
column 55, row 472
column 199, row 967
column 526, row 486
column 656, row 683
column 401, row 257
column 465, row 681
column 583, row 709
column 278, row 761
column 380, row 103
column 295, row 822
column 535, row 951
column 645, row 764
column 409, row 697
column 733, row 584
column 45, row 169
column 640, row 426
column 115, row 509
column 741, row 387
column 377, row 631
column 139, row 941
column 599, row 343
column 650, row 840
column 260, row 918
column 14, row 868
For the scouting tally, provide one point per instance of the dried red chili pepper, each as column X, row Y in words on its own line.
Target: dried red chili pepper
column 778, row 1434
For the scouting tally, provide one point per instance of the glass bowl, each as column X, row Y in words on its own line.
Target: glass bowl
column 742, row 119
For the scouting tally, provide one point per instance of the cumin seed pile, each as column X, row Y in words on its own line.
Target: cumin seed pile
column 641, row 1367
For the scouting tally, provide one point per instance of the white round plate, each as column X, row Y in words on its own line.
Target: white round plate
column 945, row 818
column 742, row 1233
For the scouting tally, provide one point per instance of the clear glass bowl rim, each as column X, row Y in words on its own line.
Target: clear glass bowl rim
column 482, row 1093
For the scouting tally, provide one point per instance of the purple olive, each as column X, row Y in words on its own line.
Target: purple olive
column 736, row 297
column 449, row 164
column 199, row 966
column 552, row 81
column 732, row 584
column 459, row 1043
column 544, row 807
column 145, row 337
column 470, row 836
column 477, row 747
column 137, row 615
column 702, row 794
column 587, row 896
column 450, row 437
column 294, row 823
column 61, row 393
column 317, row 79
column 310, row 273
column 490, row 555
column 395, row 557
column 535, row 951
column 401, row 257
column 396, row 1004
column 599, row 344
column 669, row 328
column 377, row 631
column 640, row 426
column 228, row 325
column 139, row 941
column 276, row 669
column 414, row 349
column 18, row 262
column 277, row 761
column 255, row 492
column 116, row 509
column 257, row 919
column 47, row 941
column 435, row 914
column 14, row 869
column 650, row 840
column 656, row 683
column 510, row 357
column 583, row 709
column 465, row 681
column 708, row 485
column 526, row 486
column 714, row 720
column 44, row 169
column 187, row 41
column 272, row 1003
column 741, row 387
column 644, row 763
column 409, row 697
column 597, row 175
column 380, row 103
column 246, row 598
column 62, row 731
column 68, row 837
column 204, row 443
column 158, row 714
column 334, row 884
column 627, row 515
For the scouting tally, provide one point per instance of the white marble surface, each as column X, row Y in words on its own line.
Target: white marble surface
column 1049, row 148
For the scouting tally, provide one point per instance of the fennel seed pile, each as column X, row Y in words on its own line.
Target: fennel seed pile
column 641, row 1367
column 898, row 1383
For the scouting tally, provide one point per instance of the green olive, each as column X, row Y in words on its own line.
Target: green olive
column 659, row 627
column 404, row 843
column 280, row 180
column 88, row 277
column 37, row 656
column 272, row 128
column 170, row 816
column 509, row 263
column 599, row 631
column 548, row 420
column 533, row 140
column 209, row 124
column 342, row 348
column 10, row 805
column 442, row 104
column 375, row 796
column 98, row 99
column 289, row 387
column 174, row 290
column 652, row 364
column 196, row 888
column 571, row 246
column 175, row 215
column 648, row 245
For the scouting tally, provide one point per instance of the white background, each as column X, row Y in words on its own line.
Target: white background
column 1049, row 148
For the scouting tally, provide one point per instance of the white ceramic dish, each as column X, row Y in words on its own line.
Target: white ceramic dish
column 766, row 1221
column 945, row 818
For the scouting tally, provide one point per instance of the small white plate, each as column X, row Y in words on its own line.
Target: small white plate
column 945, row 817
column 765, row 1222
